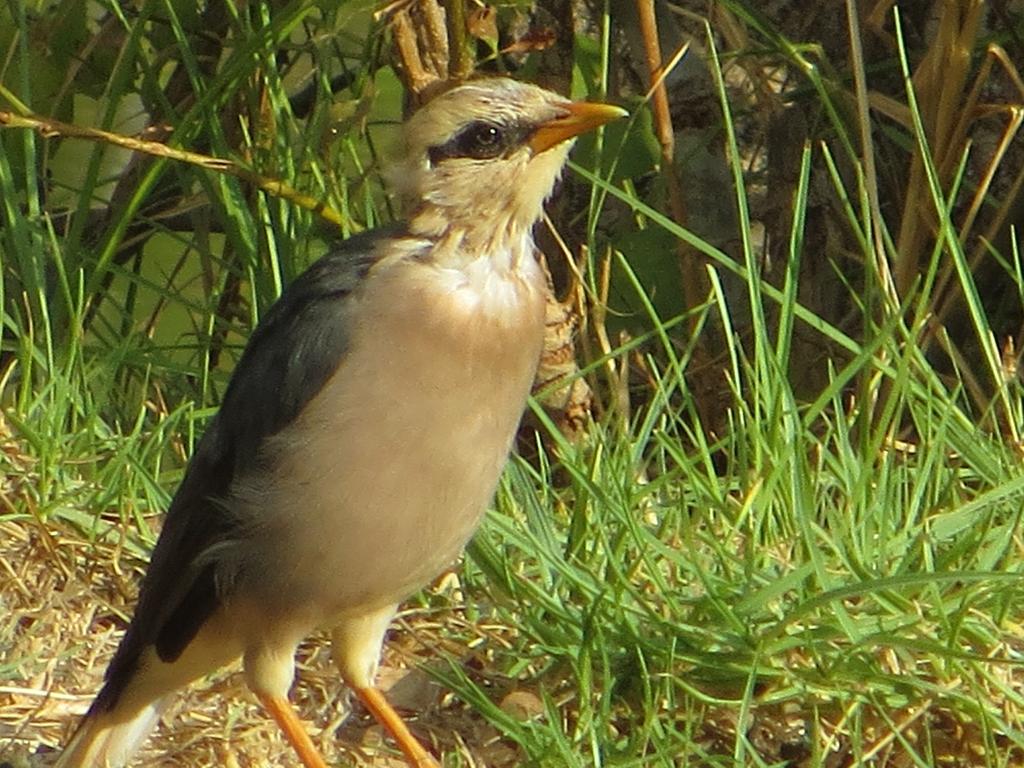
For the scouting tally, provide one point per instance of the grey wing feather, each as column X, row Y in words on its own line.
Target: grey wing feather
column 295, row 349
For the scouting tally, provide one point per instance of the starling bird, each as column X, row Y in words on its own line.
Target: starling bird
column 362, row 433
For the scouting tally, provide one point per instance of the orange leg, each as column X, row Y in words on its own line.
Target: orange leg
column 415, row 753
column 294, row 732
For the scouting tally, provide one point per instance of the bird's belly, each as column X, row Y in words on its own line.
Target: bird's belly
column 385, row 475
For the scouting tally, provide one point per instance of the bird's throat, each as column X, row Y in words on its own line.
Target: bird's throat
column 503, row 244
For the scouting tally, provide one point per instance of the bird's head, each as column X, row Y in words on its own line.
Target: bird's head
column 483, row 156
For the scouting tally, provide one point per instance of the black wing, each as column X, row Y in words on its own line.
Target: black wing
column 294, row 350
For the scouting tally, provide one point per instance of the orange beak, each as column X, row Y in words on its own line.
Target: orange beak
column 579, row 117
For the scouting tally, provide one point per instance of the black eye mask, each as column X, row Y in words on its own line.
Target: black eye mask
column 480, row 140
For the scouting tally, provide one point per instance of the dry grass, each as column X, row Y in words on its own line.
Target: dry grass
column 64, row 603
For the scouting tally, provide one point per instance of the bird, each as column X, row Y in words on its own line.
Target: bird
column 362, row 433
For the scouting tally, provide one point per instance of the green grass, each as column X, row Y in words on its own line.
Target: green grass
column 823, row 579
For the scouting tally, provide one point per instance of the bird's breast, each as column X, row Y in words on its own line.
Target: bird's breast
column 381, row 480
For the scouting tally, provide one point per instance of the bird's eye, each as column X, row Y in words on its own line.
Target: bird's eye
column 480, row 140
